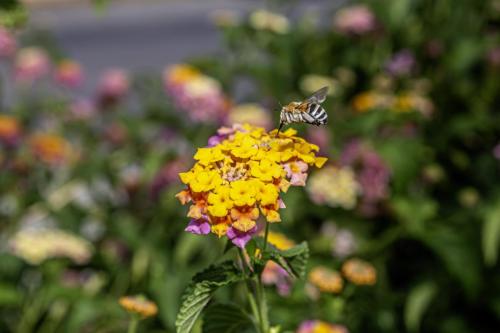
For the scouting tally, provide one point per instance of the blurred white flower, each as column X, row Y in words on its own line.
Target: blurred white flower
column 312, row 82
column 37, row 245
column 336, row 187
column 265, row 20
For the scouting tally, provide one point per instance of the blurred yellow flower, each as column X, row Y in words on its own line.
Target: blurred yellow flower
column 326, row 280
column 359, row 272
column 280, row 241
column 242, row 173
column 50, row 148
column 318, row 326
column 411, row 102
column 182, row 73
column 364, row 101
column 138, row 305
column 10, row 129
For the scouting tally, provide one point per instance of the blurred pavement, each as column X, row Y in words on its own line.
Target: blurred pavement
column 144, row 36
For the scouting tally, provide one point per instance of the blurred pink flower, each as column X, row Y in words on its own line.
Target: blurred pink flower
column 434, row 48
column 401, row 63
column 493, row 57
column 113, row 86
column 274, row 274
column 82, row 109
column 69, row 74
column 168, row 174
column 496, row 151
column 31, row 64
column 357, row 19
column 372, row 174
column 200, row 96
column 320, row 136
column 8, row 43
column 116, row 134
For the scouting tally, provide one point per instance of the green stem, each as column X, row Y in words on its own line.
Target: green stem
column 132, row 326
column 266, row 234
column 264, row 318
column 250, row 296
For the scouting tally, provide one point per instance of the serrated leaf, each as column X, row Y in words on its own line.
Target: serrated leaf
column 200, row 290
column 417, row 302
column 293, row 260
column 226, row 318
column 491, row 236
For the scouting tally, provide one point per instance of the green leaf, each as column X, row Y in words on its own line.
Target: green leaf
column 200, row 291
column 414, row 211
column 417, row 302
column 459, row 254
column 226, row 318
column 9, row 296
column 293, row 260
column 491, row 235
column 12, row 14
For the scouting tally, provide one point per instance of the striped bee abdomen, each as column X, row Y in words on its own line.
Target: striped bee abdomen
column 317, row 115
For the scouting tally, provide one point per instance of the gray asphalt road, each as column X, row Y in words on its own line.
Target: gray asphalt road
column 145, row 35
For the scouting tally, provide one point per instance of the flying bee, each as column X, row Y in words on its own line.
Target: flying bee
column 308, row 111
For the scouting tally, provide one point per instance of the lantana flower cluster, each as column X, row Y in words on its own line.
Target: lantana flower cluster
column 199, row 95
column 240, row 176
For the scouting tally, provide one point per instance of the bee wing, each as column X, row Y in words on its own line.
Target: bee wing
column 319, row 96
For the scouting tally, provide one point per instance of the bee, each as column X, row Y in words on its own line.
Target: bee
column 308, row 111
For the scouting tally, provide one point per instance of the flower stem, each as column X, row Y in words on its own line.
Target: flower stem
column 250, row 296
column 264, row 319
column 132, row 326
column 266, row 234
column 257, row 299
